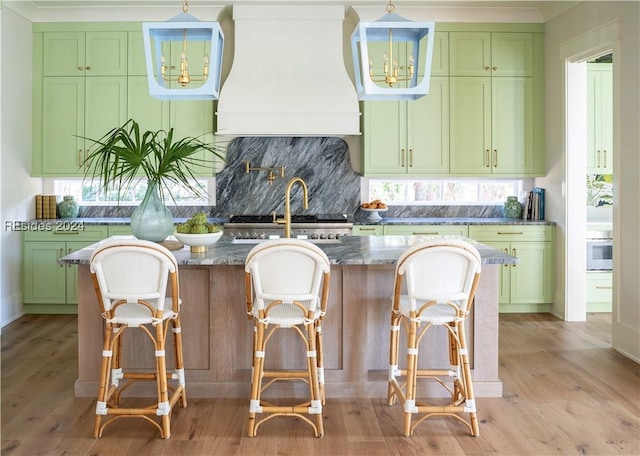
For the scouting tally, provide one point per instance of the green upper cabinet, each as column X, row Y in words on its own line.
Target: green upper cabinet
column 496, row 104
column 408, row 137
column 599, row 118
column 484, row 114
column 89, row 78
column 85, row 53
column 491, row 54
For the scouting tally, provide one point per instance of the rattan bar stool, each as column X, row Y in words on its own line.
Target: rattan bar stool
column 136, row 283
column 287, row 287
column 441, row 279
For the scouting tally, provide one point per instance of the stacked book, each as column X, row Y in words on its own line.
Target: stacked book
column 46, row 206
column 533, row 204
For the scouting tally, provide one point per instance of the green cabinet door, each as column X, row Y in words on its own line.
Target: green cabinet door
column 105, row 106
column 511, row 54
column 492, row 126
column 77, row 53
column 408, row 137
column 64, row 54
column 62, row 148
column 106, row 53
column 384, row 138
column 44, row 280
column 196, row 119
column 528, row 285
column 470, row 125
column 599, row 118
column 428, row 130
column 491, row 53
column 470, row 53
column 150, row 113
column 532, row 278
column 512, row 125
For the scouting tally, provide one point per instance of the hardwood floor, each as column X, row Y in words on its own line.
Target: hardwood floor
column 565, row 392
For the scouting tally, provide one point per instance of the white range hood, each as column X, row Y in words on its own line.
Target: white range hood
column 288, row 76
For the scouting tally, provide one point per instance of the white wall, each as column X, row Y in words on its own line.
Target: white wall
column 580, row 27
column 17, row 188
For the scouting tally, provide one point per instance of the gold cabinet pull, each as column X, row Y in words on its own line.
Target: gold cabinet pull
column 81, row 68
column 495, row 158
column 410, row 158
column 507, row 252
column 367, row 229
column 425, row 233
column 495, row 68
column 60, row 256
column 600, row 287
column 488, row 158
column 402, row 157
column 604, row 153
column 510, row 232
column 515, row 254
column 487, row 68
column 598, row 159
column 88, row 68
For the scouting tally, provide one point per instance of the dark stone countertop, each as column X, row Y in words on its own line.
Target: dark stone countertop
column 350, row 250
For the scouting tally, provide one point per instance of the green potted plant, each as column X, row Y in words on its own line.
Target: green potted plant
column 124, row 154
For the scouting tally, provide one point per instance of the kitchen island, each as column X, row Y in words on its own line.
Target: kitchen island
column 218, row 336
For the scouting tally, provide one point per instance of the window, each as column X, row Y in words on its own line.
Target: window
column 441, row 192
column 90, row 194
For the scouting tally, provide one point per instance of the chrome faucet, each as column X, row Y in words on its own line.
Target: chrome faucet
column 287, row 205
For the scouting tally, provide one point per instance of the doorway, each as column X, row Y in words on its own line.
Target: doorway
column 580, row 51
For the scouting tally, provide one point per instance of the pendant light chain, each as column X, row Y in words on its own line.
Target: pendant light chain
column 390, row 7
column 185, row 7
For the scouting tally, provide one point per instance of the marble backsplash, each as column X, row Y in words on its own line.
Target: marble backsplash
column 322, row 162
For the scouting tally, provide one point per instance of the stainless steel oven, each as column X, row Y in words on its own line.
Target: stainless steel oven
column 599, row 251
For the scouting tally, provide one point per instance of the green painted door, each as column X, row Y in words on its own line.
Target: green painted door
column 62, row 124
column 385, row 134
column 470, row 125
column 105, row 106
column 470, row 53
column 428, row 130
column 150, row 113
column 511, row 54
column 44, row 279
column 64, row 53
column 106, row 54
column 532, row 278
column 512, row 125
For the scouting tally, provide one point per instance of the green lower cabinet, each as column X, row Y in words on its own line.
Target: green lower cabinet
column 599, row 291
column 368, row 230
column 47, row 287
column 427, row 230
column 528, row 285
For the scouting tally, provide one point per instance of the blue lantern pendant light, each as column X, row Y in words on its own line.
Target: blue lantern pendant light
column 392, row 57
column 184, row 57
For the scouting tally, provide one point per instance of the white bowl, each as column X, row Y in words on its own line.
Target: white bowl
column 198, row 242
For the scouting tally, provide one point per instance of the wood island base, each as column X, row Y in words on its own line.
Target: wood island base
column 217, row 336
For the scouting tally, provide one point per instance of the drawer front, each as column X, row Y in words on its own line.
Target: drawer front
column 63, row 230
column 120, row 230
column 427, row 230
column 511, row 233
column 368, row 230
column 599, row 287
